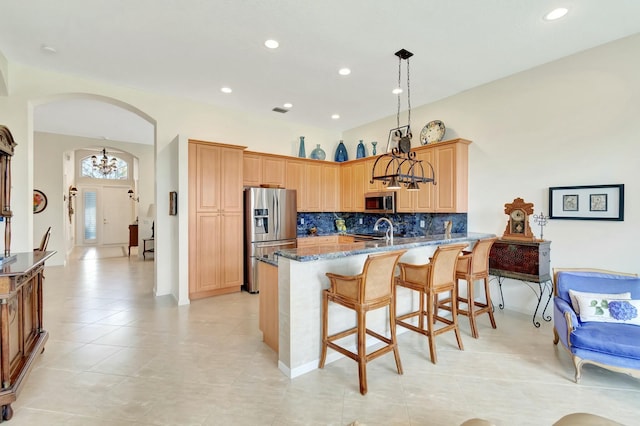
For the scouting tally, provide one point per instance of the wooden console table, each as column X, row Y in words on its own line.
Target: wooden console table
column 526, row 261
column 22, row 337
column 133, row 237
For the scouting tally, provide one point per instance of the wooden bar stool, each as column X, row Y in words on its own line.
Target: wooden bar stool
column 473, row 266
column 369, row 290
column 432, row 280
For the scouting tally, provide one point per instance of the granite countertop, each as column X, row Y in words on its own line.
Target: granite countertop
column 308, row 254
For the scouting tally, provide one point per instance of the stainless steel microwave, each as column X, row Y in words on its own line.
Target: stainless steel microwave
column 380, row 202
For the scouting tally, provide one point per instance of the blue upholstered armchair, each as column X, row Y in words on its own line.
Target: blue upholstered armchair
column 597, row 318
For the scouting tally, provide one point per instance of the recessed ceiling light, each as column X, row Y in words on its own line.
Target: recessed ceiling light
column 48, row 49
column 272, row 44
column 335, row 116
column 288, row 105
column 396, row 91
column 556, row 14
column 344, row 71
column 226, row 90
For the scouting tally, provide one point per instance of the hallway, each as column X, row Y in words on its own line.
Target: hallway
column 116, row 355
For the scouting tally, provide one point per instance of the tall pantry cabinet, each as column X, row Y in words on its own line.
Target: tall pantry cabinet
column 215, row 219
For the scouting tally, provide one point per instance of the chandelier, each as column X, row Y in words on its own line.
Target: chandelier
column 104, row 165
column 400, row 166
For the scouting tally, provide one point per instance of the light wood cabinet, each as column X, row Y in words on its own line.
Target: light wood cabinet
column 317, row 184
column 376, row 185
column 359, row 181
column 450, row 160
column 268, row 320
column 330, row 187
column 353, row 186
column 312, row 188
column 346, row 188
column 273, row 171
column 252, row 169
column 215, row 219
column 295, row 180
column 263, row 169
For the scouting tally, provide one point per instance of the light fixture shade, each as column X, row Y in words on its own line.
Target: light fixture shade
column 151, row 212
column 393, row 183
column 413, row 186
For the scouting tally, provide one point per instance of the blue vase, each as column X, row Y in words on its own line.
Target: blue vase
column 341, row 153
column 360, row 152
column 318, row 153
column 301, row 151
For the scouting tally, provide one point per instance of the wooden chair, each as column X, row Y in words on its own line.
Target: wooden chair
column 44, row 241
column 473, row 266
column 369, row 290
column 431, row 280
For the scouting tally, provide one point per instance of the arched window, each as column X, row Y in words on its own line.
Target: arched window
column 120, row 172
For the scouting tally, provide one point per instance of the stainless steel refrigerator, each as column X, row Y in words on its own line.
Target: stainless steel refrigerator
column 270, row 225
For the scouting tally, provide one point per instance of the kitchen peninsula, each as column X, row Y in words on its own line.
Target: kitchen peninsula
column 301, row 279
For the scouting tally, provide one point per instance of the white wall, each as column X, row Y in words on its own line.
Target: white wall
column 570, row 122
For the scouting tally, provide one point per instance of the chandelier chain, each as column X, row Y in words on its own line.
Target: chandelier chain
column 399, row 90
column 408, row 95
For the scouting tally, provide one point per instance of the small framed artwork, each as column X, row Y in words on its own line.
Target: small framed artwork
column 173, row 203
column 595, row 202
column 570, row 202
column 39, row 201
column 394, row 137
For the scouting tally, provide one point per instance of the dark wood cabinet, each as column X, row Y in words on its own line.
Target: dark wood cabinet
column 521, row 260
column 526, row 261
column 22, row 336
column 133, row 237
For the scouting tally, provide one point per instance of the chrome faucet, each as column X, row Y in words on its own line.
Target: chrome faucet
column 389, row 234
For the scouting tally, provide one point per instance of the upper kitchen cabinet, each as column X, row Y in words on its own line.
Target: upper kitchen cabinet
column 295, row 180
column 330, row 187
column 264, row 169
column 450, row 160
column 451, row 164
column 353, row 184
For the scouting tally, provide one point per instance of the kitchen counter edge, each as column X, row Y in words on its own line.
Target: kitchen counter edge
column 309, row 254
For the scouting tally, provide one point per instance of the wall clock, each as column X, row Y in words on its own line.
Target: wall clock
column 518, row 221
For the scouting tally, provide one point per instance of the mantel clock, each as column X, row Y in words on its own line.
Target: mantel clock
column 518, row 221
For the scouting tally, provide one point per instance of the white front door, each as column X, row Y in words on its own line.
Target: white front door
column 116, row 215
column 104, row 215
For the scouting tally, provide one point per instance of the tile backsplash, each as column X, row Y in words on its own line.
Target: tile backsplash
column 404, row 223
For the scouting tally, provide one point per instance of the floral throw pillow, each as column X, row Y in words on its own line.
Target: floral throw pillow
column 573, row 295
column 609, row 310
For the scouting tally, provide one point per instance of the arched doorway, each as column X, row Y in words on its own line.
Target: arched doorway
column 66, row 123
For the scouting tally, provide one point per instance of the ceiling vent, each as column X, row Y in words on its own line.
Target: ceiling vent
column 280, row 110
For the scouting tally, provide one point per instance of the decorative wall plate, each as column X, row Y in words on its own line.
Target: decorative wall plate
column 39, row 201
column 433, row 131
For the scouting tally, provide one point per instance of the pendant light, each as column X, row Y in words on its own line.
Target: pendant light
column 400, row 166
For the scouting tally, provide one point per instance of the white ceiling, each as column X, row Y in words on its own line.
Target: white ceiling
column 191, row 48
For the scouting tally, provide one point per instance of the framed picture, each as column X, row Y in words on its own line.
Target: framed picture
column 595, row 202
column 173, row 203
column 39, row 201
column 394, row 137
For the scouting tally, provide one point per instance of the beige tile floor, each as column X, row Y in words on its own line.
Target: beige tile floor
column 117, row 355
